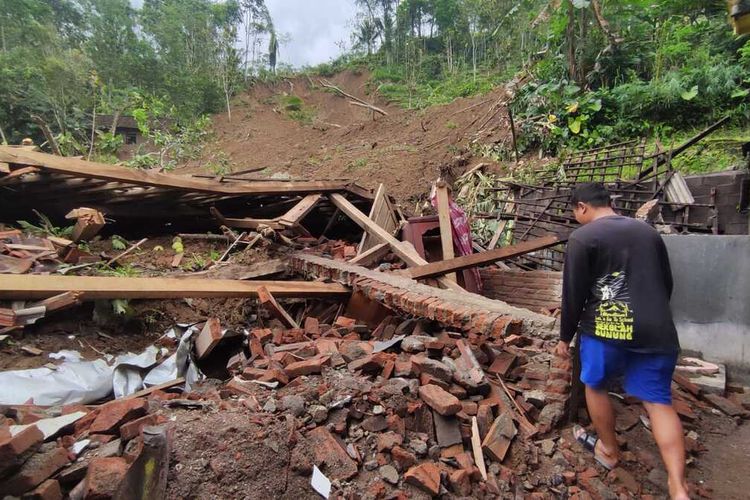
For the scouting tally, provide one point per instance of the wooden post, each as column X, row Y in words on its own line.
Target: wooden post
column 444, row 216
column 403, row 250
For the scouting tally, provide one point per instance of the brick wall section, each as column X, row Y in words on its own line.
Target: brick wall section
column 529, row 289
column 463, row 311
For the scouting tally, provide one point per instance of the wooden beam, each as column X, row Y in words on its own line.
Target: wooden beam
column 245, row 223
column 382, row 214
column 269, row 303
column 94, row 170
column 22, row 287
column 160, row 387
column 372, row 255
column 403, row 250
column 479, row 259
column 444, row 217
column 298, row 212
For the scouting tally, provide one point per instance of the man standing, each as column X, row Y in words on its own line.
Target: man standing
column 616, row 289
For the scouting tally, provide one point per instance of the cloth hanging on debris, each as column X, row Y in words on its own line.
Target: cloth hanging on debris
column 461, row 231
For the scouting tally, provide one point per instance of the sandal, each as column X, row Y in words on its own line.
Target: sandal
column 588, row 440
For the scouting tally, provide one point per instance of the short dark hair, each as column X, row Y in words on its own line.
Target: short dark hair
column 593, row 193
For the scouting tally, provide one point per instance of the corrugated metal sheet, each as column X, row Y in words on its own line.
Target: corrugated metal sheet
column 677, row 190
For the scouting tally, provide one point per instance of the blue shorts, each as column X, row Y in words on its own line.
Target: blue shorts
column 648, row 376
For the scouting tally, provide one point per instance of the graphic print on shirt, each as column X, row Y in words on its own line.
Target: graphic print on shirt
column 614, row 316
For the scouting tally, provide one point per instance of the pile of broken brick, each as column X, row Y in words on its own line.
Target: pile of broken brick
column 389, row 411
column 417, row 403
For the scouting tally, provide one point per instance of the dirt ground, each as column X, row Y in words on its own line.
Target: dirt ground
column 407, row 149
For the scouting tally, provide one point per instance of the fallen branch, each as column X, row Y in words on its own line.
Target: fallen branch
column 126, row 252
column 365, row 104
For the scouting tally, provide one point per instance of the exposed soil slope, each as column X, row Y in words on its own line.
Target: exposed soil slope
column 406, row 150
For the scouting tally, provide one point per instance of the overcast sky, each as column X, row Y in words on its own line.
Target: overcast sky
column 314, row 28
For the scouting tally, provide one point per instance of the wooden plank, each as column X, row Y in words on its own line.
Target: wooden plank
column 476, row 447
column 298, row 212
column 382, row 214
column 104, row 287
column 18, row 173
column 245, row 223
column 94, row 170
column 153, row 388
column 403, row 250
column 269, row 303
column 444, row 217
column 509, row 206
column 372, row 255
column 479, row 259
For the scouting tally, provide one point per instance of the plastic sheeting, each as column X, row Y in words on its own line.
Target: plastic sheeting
column 88, row 381
column 82, row 382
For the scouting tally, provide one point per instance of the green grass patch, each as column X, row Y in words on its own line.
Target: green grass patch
column 294, row 108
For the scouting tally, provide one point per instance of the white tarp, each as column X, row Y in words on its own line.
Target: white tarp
column 88, row 381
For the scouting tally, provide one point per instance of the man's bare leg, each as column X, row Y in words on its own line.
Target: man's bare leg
column 603, row 417
column 667, row 430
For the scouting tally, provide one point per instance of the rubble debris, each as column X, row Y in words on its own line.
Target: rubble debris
column 89, row 222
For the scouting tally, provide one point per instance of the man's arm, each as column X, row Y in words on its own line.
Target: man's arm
column 576, row 286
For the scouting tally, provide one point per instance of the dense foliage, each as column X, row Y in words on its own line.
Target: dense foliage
column 598, row 70
column 64, row 63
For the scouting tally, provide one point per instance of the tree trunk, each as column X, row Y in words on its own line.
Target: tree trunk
column 2, row 136
column 47, row 134
column 570, row 36
column 115, row 121
column 93, row 133
column 227, row 89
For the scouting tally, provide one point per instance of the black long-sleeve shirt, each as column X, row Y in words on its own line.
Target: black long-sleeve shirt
column 617, row 284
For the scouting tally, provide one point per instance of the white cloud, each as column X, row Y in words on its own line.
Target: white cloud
column 314, row 27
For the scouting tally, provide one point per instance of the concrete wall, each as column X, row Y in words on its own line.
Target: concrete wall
column 711, row 299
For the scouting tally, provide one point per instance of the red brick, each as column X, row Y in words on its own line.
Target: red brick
column 327, row 451
column 134, row 428
column 404, row 368
column 396, row 424
column 209, row 338
column 345, row 322
column 469, row 407
column 425, row 476
column 427, row 379
column 440, row 400
column 326, row 346
column 460, row 482
column 387, row 440
column 104, row 476
column 48, row 490
column 403, row 458
column 370, row 364
column 112, row 415
column 275, row 374
column 264, row 335
column 36, row 469
column 251, row 373
column 306, row 367
column 388, row 369
column 312, row 326
column 14, row 450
